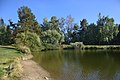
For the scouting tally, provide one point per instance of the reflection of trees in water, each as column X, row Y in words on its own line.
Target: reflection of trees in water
column 85, row 65
column 98, row 64
column 50, row 60
column 102, row 62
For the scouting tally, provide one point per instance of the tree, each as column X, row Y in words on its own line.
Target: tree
column 51, row 39
column 5, row 34
column 52, row 36
column 75, row 34
column 62, row 24
column 28, row 31
column 69, row 22
column 27, row 20
column 69, row 27
column 107, row 29
column 55, row 25
column 92, row 34
column 117, row 38
column 83, row 31
column 46, row 25
column 84, row 24
column 2, row 22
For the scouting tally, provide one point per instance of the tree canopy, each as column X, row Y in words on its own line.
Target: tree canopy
column 50, row 34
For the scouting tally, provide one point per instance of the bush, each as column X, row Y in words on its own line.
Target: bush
column 24, row 49
column 50, row 46
column 28, row 40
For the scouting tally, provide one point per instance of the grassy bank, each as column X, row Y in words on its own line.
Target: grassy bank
column 90, row 47
column 105, row 47
column 10, row 66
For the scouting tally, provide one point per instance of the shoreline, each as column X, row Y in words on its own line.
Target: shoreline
column 91, row 47
column 33, row 71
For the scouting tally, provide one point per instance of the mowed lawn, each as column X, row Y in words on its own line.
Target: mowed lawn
column 7, row 59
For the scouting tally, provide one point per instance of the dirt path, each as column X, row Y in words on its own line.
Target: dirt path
column 32, row 71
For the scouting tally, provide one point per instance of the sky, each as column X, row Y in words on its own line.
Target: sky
column 78, row 9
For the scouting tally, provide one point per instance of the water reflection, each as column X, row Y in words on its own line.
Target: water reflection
column 80, row 65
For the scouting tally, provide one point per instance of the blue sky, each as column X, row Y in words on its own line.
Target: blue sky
column 78, row 9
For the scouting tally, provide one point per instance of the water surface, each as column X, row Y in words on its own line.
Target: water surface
column 80, row 65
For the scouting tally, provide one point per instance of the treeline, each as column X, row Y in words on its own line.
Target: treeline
column 28, row 33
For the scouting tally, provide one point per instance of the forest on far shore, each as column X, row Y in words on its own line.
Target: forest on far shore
column 28, row 33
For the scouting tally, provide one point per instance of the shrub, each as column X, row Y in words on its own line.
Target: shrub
column 28, row 40
column 24, row 49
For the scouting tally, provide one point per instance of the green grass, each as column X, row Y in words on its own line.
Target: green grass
column 90, row 47
column 105, row 47
column 7, row 60
column 9, row 53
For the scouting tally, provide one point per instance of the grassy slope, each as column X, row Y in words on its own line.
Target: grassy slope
column 6, row 53
column 8, row 60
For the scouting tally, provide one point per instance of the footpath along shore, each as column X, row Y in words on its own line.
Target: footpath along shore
column 33, row 71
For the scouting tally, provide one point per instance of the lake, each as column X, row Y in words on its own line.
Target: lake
column 80, row 65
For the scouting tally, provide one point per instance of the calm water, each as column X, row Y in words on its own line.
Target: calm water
column 80, row 65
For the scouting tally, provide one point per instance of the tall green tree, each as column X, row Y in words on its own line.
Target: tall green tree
column 27, row 20
column 83, row 31
column 84, row 24
column 117, row 39
column 107, row 29
column 46, row 25
column 92, row 34
column 5, row 34
column 28, row 31
column 75, row 34
column 52, row 36
column 55, row 25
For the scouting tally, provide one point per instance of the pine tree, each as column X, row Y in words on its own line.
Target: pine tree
column 27, row 20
